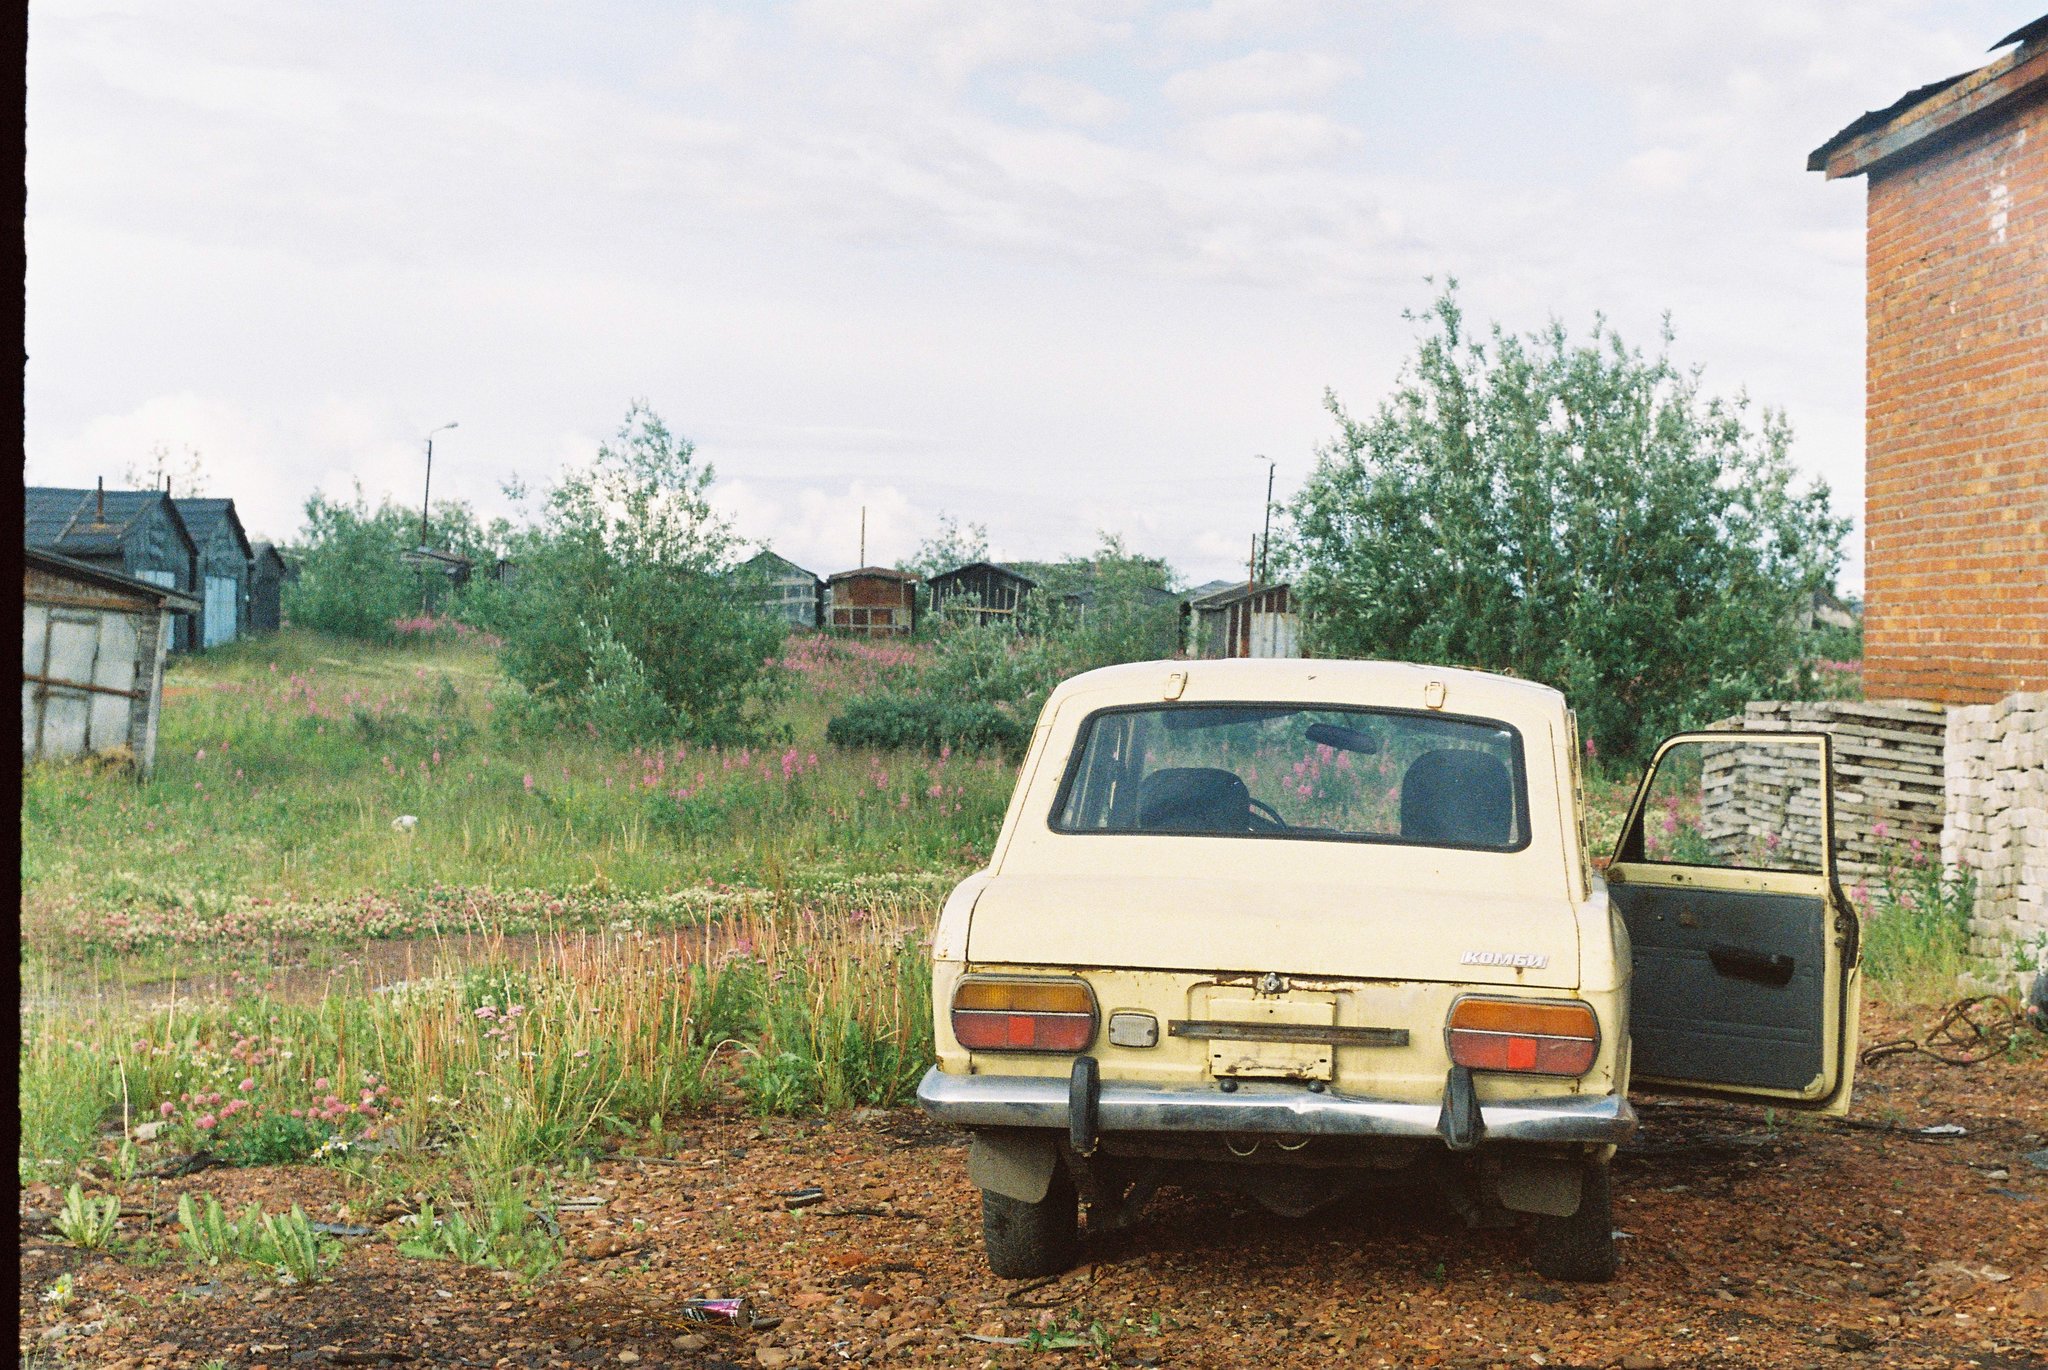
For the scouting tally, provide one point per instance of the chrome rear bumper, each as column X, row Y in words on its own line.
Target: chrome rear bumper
column 1261, row 1107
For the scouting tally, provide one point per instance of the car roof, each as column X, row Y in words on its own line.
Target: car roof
column 1388, row 683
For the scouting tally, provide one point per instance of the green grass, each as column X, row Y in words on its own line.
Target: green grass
column 282, row 764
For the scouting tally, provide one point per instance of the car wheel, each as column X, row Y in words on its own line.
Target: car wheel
column 1027, row 1240
column 1581, row 1247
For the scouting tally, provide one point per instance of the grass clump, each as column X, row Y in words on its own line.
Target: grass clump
column 88, row 1224
column 1916, row 928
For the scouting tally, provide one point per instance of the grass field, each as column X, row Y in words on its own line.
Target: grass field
column 806, row 877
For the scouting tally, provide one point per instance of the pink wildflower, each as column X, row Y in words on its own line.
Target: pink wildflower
column 529, row 782
column 247, row 1085
column 166, row 1108
column 1880, row 830
column 207, row 1122
column 320, row 1083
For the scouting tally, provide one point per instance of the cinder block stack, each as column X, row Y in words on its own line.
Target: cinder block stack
column 1997, row 792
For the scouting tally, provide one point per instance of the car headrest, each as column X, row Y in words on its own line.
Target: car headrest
column 1194, row 799
column 1460, row 797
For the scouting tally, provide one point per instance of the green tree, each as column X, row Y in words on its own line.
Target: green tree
column 1570, row 512
column 352, row 579
column 951, row 546
column 624, row 613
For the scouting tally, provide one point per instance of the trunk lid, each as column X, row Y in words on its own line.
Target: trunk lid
column 1300, row 928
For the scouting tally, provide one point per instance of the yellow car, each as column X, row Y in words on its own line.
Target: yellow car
column 1299, row 927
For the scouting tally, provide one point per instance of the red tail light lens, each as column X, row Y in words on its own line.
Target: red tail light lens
column 1523, row 1036
column 1024, row 1013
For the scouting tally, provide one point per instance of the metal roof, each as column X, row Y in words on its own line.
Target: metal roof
column 884, row 572
column 767, row 555
column 68, row 521
column 203, row 517
column 1881, row 134
column 112, row 580
column 995, row 566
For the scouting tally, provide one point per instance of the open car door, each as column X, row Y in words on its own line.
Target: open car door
column 1745, row 983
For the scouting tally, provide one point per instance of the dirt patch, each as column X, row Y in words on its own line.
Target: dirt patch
column 1750, row 1241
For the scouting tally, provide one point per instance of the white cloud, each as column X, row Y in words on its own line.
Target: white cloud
column 1258, row 79
column 1070, row 102
column 1272, row 137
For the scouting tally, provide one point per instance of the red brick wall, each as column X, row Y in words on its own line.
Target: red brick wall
column 1956, row 527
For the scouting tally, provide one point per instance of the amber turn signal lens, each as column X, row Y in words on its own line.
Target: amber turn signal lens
column 1019, row 1013
column 1524, row 1037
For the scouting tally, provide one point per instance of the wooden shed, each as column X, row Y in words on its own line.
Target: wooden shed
column 267, row 575
column 92, row 659
column 224, row 555
column 1246, row 620
column 874, row 601
column 786, row 589
column 136, row 533
column 980, row 591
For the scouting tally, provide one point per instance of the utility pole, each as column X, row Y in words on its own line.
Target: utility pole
column 1266, row 537
column 863, row 535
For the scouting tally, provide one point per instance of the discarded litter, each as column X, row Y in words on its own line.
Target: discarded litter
column 1942, row 1130
column 714, row 1310
column 801, row 1198
column 342, row 1229
column 405, row 822
column 2037, row 1159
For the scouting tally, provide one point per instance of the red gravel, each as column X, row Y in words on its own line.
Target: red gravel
column 1826, row 1244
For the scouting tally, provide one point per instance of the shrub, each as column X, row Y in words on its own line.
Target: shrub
column 209, row 1236
column 626, row 615
column 352, row 582
column 1570, row 513
column 1916, row 935
column 923, row 722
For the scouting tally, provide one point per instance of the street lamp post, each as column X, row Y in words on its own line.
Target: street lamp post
column 426, row 585
column 428, row 492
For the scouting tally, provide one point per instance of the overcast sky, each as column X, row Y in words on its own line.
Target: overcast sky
column 1051, row 267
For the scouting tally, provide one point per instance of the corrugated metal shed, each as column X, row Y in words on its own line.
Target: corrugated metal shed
column 222, row 573
column 136, row 533
column 92, row 660
column 1244, row 621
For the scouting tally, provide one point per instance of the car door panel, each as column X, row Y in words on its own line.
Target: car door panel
column 1726, row 982
column 1743, row 981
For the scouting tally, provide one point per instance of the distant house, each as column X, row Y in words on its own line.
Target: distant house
column 788, row 591
column 224, row 555
column 1243, row 620
column 436, row 567
column 267, row 575
column 874, row 601
column 92, row 659
column 136, row 533
column 982, row 590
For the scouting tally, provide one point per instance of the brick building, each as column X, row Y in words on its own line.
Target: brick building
column 1956, row 446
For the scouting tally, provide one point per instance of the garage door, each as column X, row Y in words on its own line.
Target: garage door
column 220, row 610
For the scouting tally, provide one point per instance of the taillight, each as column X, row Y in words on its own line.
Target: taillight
column 1523, row 1035
column 1024, row 1013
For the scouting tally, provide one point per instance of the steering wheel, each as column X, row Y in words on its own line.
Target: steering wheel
column 1265, row 818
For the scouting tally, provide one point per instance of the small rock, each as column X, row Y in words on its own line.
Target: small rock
column 1636, row 1360
column 992, row 1328
column 772, row 1356
column 1854, row 1339
column 809, row 1298
column 2032, row 1303
column 695, row 1341
column 628, row 1357
column 2037, row 1159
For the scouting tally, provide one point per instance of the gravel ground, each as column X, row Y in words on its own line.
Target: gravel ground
column 1748, row 1244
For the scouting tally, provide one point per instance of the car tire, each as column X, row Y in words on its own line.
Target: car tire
column 1580, row 1248
column 1027, row 1240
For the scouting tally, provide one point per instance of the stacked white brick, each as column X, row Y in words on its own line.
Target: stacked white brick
column 1996, row 776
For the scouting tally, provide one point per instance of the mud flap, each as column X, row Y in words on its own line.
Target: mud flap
column 1016, row 1165
column 1540, row 1185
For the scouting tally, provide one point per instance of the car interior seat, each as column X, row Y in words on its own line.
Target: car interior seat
column 1459, row 797
column 1194, row 799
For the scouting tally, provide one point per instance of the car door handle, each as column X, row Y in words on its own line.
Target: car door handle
column 1740, row 963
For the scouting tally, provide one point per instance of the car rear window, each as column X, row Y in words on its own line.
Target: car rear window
column 1298, row 772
